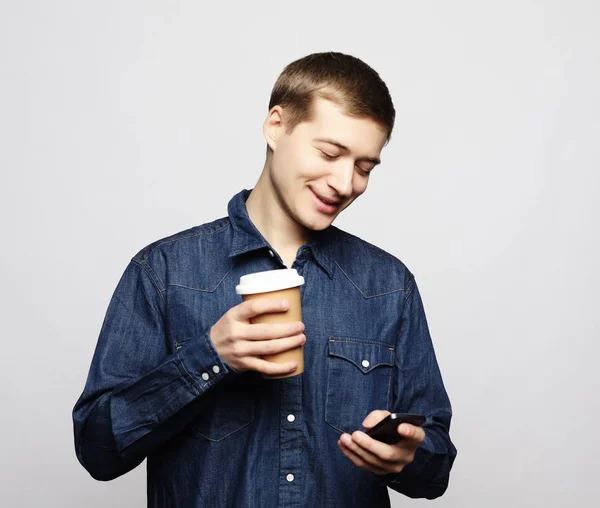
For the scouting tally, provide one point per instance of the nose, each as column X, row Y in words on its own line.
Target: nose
column 340, row 179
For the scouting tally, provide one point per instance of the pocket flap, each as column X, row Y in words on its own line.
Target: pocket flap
column 365, row 355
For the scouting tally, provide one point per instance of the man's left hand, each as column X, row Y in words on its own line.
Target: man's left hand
column 377, row 457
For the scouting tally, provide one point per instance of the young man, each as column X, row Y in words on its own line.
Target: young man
column 176, row 376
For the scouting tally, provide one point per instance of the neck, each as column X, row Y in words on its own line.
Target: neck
column 268, row 213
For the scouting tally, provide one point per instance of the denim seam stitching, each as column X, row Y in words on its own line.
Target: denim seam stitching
column 331, row 424
column 359, row 341
column 359, row 290
column 327, row 401
column 189, row 235
column 409, row 289
column 390, row 382
column 186, row 372
column 247, row 248
column 152, row 276
column 202, row 290
column 212, row 348
column 360, row 368
column 227, row 435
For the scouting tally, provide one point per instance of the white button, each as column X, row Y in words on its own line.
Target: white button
column 205, row 376
column 365, row 363
column 271, row 253
column 291, row 418
column 216, row 369
column 290, row 478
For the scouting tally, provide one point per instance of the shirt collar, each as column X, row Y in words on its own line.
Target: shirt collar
column 246, row 237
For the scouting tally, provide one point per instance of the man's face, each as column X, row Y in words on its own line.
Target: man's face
column 323, row 165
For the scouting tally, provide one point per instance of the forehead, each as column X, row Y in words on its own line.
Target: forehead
column 328, row 120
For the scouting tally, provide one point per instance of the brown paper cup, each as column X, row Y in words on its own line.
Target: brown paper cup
column 270, row 280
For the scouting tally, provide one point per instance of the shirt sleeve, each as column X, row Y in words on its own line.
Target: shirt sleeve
column 141, row 387
column 419, row 389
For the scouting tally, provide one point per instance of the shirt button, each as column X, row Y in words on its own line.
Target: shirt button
column 216, row 369
column 290, row 478
column 291, row 418
column 365, row 363
column 205, row 376
column 271, row 253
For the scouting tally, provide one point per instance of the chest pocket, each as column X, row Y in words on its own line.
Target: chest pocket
column 359, row 378
column 226, row 408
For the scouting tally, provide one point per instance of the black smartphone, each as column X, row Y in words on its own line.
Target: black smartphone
column 386, row 430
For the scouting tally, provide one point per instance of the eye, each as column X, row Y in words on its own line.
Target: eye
column 363, row 172
column 328, row 157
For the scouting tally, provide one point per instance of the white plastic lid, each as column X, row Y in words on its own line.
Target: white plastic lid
column 271, row 280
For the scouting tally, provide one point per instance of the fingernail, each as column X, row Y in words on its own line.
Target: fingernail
column 285, row 304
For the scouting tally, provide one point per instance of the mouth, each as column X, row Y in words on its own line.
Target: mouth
column 324, row 204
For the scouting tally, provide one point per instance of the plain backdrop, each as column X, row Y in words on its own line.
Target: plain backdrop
column 122, row 122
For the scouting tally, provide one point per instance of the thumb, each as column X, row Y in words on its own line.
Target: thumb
column 411, row 432
column 374, row 417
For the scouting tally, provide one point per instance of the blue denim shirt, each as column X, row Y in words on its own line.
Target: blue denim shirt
column 157, row 388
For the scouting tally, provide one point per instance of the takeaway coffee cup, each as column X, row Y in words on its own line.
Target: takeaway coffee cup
column 281, row 284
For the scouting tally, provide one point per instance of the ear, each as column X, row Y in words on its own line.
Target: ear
column 273, row 126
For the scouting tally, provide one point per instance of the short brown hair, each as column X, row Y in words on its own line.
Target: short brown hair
column 343, row 79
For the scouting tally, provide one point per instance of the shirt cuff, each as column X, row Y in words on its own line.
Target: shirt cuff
column 202, row 363
column 417, row 467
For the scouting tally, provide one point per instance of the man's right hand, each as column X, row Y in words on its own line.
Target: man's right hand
column 241, row 344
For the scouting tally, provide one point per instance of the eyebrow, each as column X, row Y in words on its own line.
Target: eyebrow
column 374, row 160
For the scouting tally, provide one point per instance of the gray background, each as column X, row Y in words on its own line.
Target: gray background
column 124, row 122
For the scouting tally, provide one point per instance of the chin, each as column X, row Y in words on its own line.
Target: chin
column 320, row 227
column 317, row 223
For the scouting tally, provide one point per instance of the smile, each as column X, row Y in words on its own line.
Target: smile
column 325, row 205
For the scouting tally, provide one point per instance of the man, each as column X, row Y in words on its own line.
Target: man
column 177, row 374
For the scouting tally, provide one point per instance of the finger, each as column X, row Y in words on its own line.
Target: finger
column 374, row 417
column 359, row 461
column 251, row 308
column 272, row 331
column 374, row 452
column 270, row 368
column 412, row 433
column 270, row 347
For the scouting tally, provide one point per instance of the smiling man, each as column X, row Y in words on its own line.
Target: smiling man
column 314, row 169
column 176, row 376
